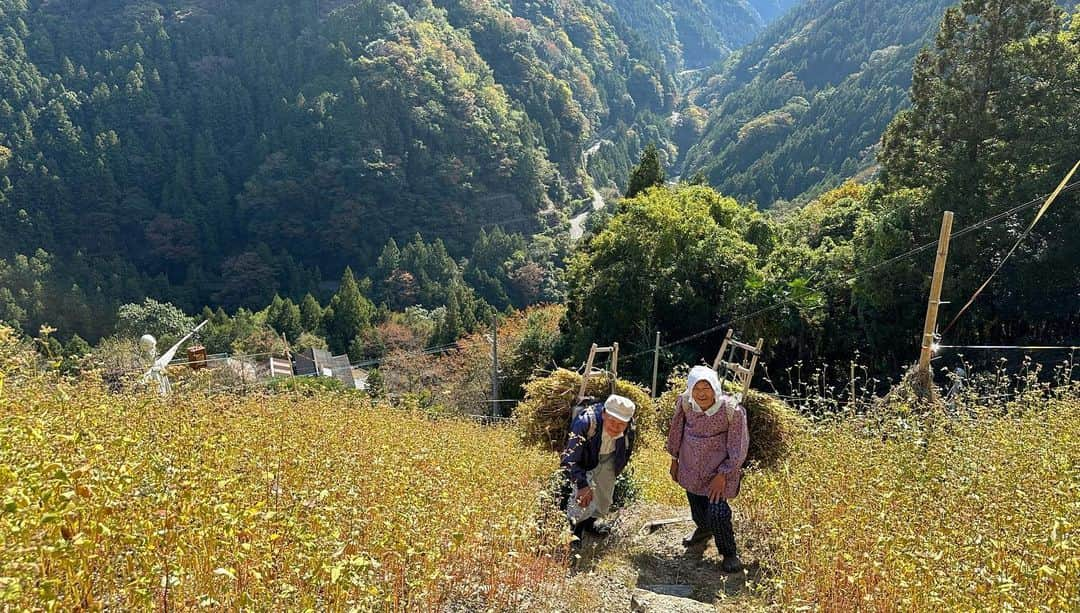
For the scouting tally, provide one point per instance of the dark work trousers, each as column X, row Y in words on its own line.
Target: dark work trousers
column 716, row 518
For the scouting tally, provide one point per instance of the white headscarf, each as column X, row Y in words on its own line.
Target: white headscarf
column 704, row 373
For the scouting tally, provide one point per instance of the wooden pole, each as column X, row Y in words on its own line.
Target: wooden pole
column 935, row 292
column 851, row 400
column 655, row 364
column 494, row 364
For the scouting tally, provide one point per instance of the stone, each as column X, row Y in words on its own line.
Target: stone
column 670, row 589
column 647, row 601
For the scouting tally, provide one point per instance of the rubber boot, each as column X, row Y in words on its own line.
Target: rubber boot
column 599, row 528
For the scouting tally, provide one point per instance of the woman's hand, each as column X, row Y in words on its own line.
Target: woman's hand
column 716, row 488
column 584, row 497
column 674, row 471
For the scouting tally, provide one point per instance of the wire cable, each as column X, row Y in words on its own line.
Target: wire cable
column 857, row 275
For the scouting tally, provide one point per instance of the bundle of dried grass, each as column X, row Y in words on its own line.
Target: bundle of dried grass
column 544, row 416
column 774, row 426
column 914, row 394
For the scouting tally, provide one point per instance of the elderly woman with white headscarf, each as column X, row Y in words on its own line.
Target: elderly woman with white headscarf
column 708, row 441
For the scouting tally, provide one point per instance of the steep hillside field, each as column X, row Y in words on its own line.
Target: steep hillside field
column 127, row 501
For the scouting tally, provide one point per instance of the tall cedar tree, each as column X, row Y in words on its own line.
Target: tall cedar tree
column 648, row 172
column 348, row 315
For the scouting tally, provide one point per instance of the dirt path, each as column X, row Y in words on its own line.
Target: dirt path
column 635, row 558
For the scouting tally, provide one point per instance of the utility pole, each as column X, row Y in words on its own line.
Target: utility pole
column 494, row 365
column 655, row 363
column 935, row 294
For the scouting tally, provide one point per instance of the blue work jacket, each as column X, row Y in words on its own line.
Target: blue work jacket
column 582, row 452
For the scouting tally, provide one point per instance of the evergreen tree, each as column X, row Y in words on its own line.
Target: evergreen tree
column 648, row 172
column 992, row 125
column 376, row 384
column 350, row 312
column 449, row 328
column 311, row 314
column 284, row 317
column 974, row 94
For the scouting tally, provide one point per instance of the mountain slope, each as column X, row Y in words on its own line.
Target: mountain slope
column 804, row 105
column 168, row 146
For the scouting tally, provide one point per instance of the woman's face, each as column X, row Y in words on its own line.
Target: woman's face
column 614, row 427
column 704, row 395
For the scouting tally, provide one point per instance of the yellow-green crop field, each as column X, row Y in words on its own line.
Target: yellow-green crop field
column 973, row 514
column 127, row 502
column 325, row 502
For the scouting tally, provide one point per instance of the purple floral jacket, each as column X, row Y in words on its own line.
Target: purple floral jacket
column 708, row 445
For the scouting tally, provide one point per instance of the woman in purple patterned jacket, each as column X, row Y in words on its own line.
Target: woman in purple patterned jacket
column 708, row 441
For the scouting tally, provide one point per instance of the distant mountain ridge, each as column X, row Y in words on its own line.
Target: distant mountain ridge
column 804, row 105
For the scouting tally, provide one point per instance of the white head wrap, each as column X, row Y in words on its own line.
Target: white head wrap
column 704, row 373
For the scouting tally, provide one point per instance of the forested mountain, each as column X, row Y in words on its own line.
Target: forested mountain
column 991, row 131
column 216, row 152
column 696, row 33
column 804, row 106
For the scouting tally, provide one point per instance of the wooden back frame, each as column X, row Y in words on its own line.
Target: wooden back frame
column 739, row 371
column 595, row 350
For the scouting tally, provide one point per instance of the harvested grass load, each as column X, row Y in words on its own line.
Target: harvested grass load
column 914, row 394
column 774, row 426
column 544, row 416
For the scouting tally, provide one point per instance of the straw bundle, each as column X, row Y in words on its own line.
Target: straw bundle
column 774, row 426
column 544, row 416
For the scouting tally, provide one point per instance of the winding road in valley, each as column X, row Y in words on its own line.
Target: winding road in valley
column 577, row 223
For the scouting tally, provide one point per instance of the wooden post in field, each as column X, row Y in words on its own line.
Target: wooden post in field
column 935, row 293
column 494, row 365
column 655, row 364
column 851, row 401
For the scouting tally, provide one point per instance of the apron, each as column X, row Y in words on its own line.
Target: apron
column 703, row 454
column 602, row 482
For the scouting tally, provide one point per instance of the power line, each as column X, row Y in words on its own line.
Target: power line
column 458, row 345
column 878, row 266
column 1031, row 226
column 1008, row 347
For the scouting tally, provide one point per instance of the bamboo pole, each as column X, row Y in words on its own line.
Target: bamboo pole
column 935, row 292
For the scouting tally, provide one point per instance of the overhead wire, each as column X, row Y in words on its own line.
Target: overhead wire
column 917, row 250
column 1016, row 245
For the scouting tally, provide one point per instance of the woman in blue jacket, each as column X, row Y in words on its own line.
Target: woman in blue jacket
column 598, row 449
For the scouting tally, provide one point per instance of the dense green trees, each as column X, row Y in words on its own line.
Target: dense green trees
column 992, row 126
column 283, row 316
column 673, row 259
column 234, row 155
column 349, row 313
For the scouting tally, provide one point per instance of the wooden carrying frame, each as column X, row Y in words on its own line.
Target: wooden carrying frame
column 595, row 350
column 740, row 371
